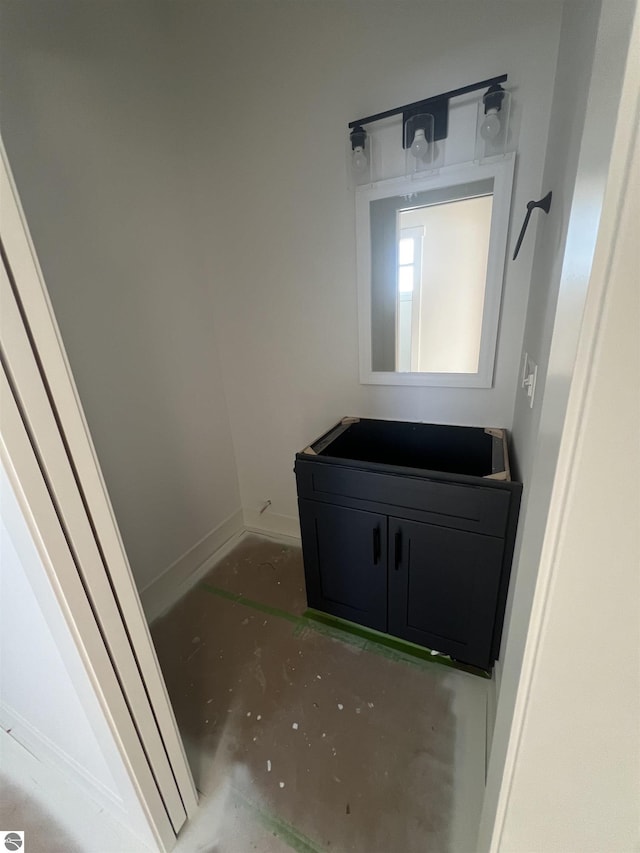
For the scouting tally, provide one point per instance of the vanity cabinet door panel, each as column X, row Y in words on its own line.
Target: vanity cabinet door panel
column 345, row 559
column 443, row 588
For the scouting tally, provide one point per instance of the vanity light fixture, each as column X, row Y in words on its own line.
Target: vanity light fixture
column 492, row 101
column 419, row 135
column 360, row 162
column 420, row 144
column 423, row 123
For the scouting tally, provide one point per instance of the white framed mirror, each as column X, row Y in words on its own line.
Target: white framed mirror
column 431, row 256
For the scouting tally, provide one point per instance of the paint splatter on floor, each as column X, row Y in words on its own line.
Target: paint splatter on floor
column 407, row 751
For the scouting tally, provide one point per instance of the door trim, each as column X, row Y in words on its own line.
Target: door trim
column 59, row 402
column 28, row 483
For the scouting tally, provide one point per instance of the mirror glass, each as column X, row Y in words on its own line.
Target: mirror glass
column 431, row 262
column 429, row 258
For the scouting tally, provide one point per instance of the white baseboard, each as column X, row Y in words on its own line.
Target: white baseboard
column 50, row 754
column 272, row 524
column 163, row 592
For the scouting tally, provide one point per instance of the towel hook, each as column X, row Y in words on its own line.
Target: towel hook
column 543, row 204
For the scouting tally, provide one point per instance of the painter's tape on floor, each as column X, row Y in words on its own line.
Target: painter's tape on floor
column 384, row 644
column 366, row 639
column 238, row 598
column 283, row 830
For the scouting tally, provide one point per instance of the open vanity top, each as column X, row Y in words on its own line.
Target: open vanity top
column 458, row 450
column 409, row 529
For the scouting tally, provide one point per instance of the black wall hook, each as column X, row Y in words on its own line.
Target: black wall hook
column 543, row 204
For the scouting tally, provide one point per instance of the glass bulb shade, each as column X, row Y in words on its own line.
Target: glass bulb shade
column 359, row 160
column 490, row 126
column 419, row 146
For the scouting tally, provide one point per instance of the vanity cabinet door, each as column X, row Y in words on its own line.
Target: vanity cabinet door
column 345, row 560
column 443, row 588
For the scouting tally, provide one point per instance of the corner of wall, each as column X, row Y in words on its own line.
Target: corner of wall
column 272, row 524
column 163, row 592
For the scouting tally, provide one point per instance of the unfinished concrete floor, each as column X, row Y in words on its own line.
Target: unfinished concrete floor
column 303, row 738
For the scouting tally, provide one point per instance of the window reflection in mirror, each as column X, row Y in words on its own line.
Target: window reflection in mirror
column 429, row 271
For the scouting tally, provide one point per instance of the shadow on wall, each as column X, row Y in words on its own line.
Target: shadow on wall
column 42, row 832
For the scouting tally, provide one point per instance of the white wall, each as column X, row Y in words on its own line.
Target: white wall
column 452, row 285
column 46, row 699
column 92, row 119
column 577, row 168
column 183, row 171
column 579, row 755
column 573, row 77
column 575, row 779
column 571, row 91
column 583, row 121
column 278, row 215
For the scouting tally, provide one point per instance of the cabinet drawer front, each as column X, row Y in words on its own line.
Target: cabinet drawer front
column 473, row 508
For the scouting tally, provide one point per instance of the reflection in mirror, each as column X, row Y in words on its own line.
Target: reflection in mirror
column 429, row 253
column 431, row 261
column 441, row 291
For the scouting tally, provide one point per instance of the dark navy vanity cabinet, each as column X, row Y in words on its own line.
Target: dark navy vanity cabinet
column 409, row 529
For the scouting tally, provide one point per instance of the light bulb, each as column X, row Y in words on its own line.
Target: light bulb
column 490, row 126
column 419, row 146
column 360, row 162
